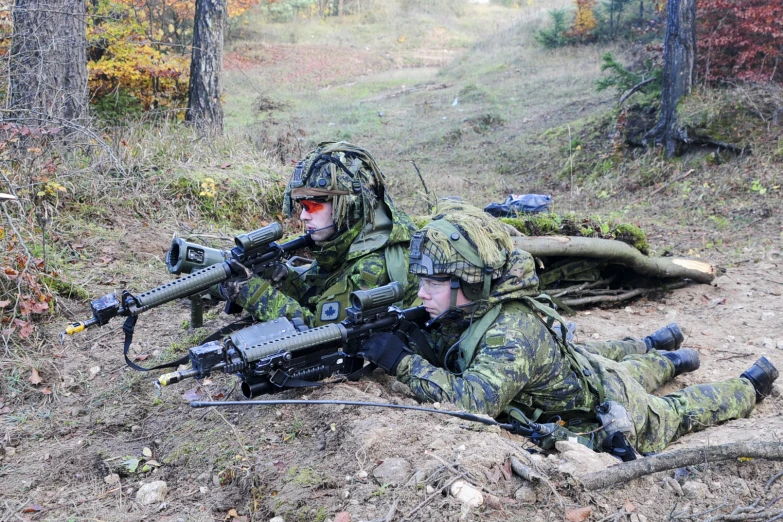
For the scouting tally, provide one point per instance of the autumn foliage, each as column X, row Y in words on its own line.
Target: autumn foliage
column 741, row 39
column 584, row 22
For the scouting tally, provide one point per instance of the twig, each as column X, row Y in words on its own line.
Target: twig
column 622, row 297
column 627, row 471
column 633, row 89
column 392, row 510
column 675, row 180
column 455, row 471
column 234, row 430
column 433, row 496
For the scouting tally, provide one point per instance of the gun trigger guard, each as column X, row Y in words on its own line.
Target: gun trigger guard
column 279, row 378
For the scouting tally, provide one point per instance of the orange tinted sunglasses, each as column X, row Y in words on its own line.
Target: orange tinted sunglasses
column 311, row 206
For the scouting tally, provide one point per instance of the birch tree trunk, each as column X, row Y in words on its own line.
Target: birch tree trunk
column 205, row 104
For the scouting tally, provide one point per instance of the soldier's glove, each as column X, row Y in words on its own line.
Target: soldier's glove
column 275, row 273
column 386, row 350
column 417, row 341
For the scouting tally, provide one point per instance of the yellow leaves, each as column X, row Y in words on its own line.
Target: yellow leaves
column 208, row 188
column 50, row 189
column 401, row 39
column 172, row 29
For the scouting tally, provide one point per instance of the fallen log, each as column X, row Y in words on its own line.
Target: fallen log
column 617, row 252
column 634, row 469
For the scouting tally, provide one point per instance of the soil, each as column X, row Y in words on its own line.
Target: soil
column 90, row 417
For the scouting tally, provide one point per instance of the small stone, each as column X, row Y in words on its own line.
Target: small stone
column 277, row 519
column 346, row 494
column 216, row 481
column 203, row 477
column 157, row 442
column 394, row 471
column 672, row 485
column 526, row 495
column 767, row 315
column 112, row 479
column 430, row 490
column 595, row 336
column 696, row 490
column 402, row 389
column 348, row 479
column 362, row 474
column 768, row 343
column 152, row 493
column 671, row 315
column 741, row 487
column 628, row 309
column 638, row 517
column 342, row 516
column 461, row 448
column 715, row 486
column 780, row 345
column 9, row 451
column 278, row 414
column 129, row 491
column 203, row 490
column 135, row 430
column 77, row 411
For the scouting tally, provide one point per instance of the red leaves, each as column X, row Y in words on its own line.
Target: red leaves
column 738, row 37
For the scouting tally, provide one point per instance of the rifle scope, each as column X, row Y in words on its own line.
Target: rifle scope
column 184, row 257
column 380, row 297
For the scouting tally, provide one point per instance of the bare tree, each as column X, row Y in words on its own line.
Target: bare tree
column 48, row 61
column 205, row 108
column 679, row 69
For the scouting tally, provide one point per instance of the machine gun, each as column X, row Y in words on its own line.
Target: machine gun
column 253, row 252
column 281, row 354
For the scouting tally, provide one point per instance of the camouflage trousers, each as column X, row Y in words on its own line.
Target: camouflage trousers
column 631, row 377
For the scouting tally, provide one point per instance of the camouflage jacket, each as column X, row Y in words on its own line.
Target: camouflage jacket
column 358, row 259
column 517, row 360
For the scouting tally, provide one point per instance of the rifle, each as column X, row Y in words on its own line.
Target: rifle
column 252, row 252
column 279, row 354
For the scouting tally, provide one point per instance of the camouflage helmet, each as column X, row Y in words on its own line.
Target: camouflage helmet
column 462, row 242
column 341, row 173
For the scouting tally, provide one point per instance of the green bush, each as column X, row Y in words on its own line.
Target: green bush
column 554, row 37
column 622, row 79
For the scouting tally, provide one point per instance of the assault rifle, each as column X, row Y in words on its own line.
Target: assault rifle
column 252, row 253
column 281, row 354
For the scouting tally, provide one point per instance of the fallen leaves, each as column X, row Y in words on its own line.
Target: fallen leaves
column 193, row 394
column 34, row 378
column 578, row 514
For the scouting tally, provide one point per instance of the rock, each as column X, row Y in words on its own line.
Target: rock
column 203, row 490
column 152, row 493
column 671, row 315
column 402, row 389
column 77, row 411
column 112, row 479
column 696, row 490
column 343, row 516
column 779, row 344
column 579, row 459
column 430, row 490
column 638, row 517
column 277, row 519
column 466, row 493
column 129, row 491
column 596, row 336
column 9, row 451
column 394, row 471
column 526, row 495
column 362, row 474
column 741, row 487
column 135, row 430
column 216, row 481
column 203, row 477
column 672, row 485
column 768, row 343
column 346, row 494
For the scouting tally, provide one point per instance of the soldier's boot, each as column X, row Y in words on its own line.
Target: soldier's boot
column 685, row 360
column 761, row 375
column 666, row 339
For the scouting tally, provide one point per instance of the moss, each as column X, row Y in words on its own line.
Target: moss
column 65, row 288
column 420, row 221
column 632, row 235
column 304, row 476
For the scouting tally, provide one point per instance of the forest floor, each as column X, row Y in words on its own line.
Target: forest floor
column 81, row 432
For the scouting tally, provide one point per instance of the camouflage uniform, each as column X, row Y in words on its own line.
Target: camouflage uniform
column 341, row 266
column 370, row 247
column 519, row 362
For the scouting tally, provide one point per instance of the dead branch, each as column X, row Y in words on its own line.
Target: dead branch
column 622, row 297
column 633, row 89
column 626, row 471
column 619, row 253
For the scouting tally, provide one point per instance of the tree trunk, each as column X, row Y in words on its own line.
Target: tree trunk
column 340, row 7
column 679, row 66
column 205, row 109
column 48, row 62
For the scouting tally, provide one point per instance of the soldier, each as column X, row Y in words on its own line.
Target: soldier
column 492, row 348
column 361, row 240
